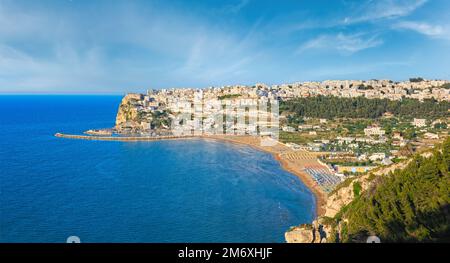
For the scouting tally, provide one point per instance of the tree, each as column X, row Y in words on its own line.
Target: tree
column 418, row 79
column 409, row 205
column 335, row 107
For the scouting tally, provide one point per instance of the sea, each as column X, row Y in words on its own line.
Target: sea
column 108, row 191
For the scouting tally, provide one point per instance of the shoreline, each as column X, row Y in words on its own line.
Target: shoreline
column 290, row 167
column 277, row 153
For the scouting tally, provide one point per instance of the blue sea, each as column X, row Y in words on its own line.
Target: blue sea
column 165, row 191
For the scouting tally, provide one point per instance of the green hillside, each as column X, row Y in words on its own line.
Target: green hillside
column 360, row 107
column 410, row 205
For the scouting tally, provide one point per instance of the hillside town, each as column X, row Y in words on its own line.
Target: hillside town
column 382, row 89
column 156, row 108
column 344, row 146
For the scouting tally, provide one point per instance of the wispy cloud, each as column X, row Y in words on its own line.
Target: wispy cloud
column 236, row 8
column 217, row 58
column 101, row 55
column 345, row 44
column 68, row 68
column 362, row 12
column 427, row 29
column 373, row 10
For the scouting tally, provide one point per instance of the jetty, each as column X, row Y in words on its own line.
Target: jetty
column 123, row 138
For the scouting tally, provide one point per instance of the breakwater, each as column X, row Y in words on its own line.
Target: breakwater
column 123, row 138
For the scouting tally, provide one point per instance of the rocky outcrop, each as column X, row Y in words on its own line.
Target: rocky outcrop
column 299, row 234
column 316, row 232
column 344, row 195
column 339, row 199
column 127, row 115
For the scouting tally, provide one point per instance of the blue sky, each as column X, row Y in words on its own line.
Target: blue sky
column 123, row 46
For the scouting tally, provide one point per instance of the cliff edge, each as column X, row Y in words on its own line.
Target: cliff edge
column 128, row 113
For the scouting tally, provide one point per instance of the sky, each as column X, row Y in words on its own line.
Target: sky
column 114, row 47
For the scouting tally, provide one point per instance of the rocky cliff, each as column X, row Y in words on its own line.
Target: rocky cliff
column 324, row 228
column 127, row 115
column 317, row 232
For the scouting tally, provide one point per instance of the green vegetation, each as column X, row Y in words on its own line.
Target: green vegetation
column 349, row 163
column 330, row 107
column 396, row 160
column 409, row 205
column 298, row 138
column 357, row 126
column 389, row 124
column 440, row 126
column 419, row 79
column 228, row 96
column 363, row 87
column 160, row 119
column 126, row 108
column 356, row 188
column 295, row 120
column 328, row 220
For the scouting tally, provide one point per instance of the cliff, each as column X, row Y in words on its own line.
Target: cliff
column 128, row 114
column 322, row 227
column 317, row 232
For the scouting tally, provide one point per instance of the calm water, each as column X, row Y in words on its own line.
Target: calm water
column 167, row 191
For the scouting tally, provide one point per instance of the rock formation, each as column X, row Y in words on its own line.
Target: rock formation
column 127, row 115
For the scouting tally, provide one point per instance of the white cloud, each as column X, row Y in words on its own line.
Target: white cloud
column 21, row 72
column 368, row 11
column 345, row 44
column 424, row 28
column 383, row 9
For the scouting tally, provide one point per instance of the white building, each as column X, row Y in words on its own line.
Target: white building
column 288, row 129
column 374, row 130
column 419, row 122
column 386, row 161
column 305, row 127
column 430, row 135
column 293, row 146
column 377, row 156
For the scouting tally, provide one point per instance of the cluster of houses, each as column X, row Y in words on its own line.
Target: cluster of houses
column 230, row 116
column 181, row 100
column 425, row 89
column 178, row 101
column 374, row 135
